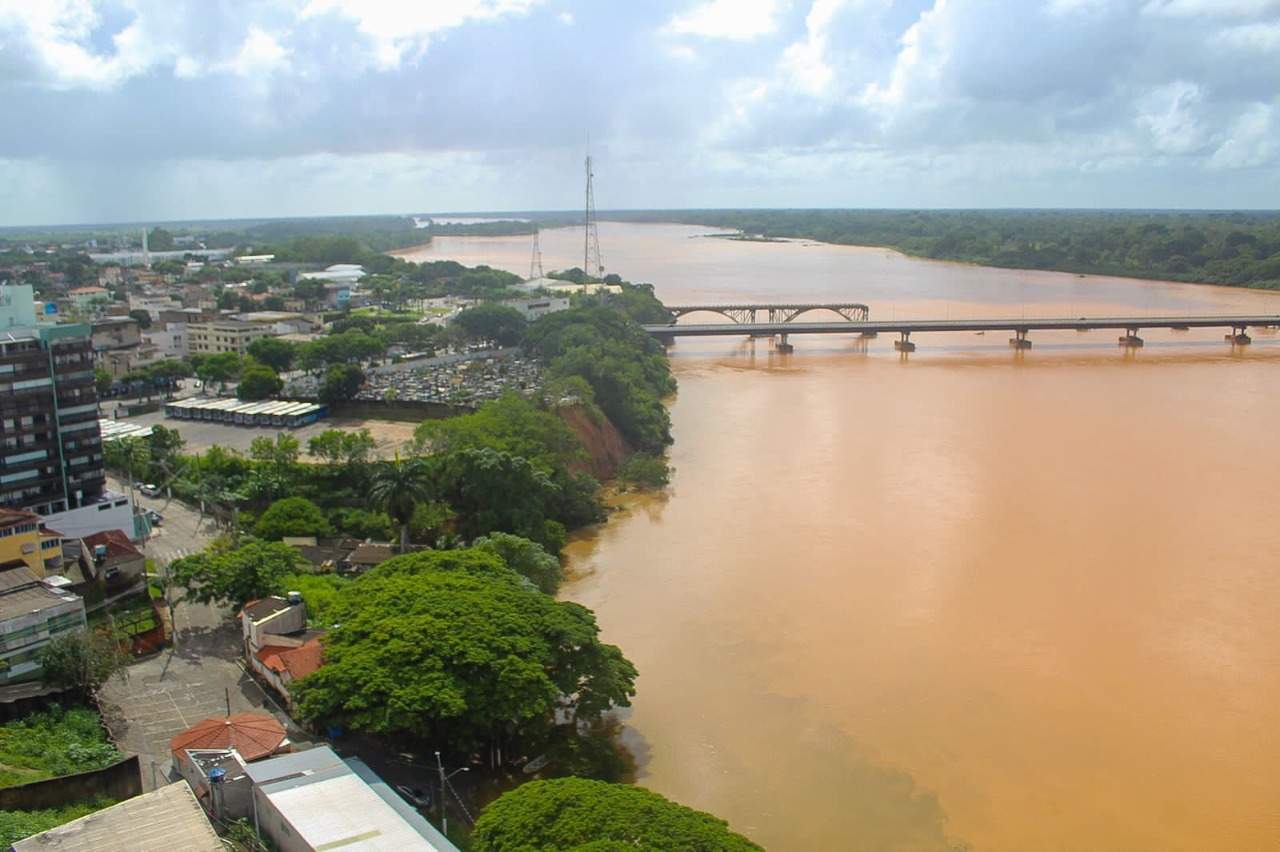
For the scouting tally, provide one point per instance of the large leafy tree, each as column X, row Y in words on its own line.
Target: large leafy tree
column 498, row 324
column 511, row 424
column 83, row 661
column 292, row 516
column 494, row 490
column 275, row 353
column 399, row 486
column 454, row 647
column 258, row 381
column 570, row 814
column 232, row 576
column 527, row 558
column 219, row 368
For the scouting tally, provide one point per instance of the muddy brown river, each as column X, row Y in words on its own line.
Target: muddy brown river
column 966, row 598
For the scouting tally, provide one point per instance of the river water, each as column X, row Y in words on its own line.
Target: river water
column 966, row 598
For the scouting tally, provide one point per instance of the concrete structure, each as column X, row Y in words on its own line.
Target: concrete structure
column 84, row 298
column 532, row 309
column 313, row 800
column 750, row 313
column 115, row 333
column 210, row 338
column 50, row 447
column 110, row 511
column 271, row 617
column 165, row 820
column 218, row 779
column 22, row 540
column 17, row 306
column 1238, row 324
column 32, row 612
column 169, row 340
column 278, row 647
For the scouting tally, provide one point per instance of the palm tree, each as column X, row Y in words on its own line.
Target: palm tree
column 399, row 486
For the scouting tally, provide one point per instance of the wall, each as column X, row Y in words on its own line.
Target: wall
column 121, row 780
column 87, row 520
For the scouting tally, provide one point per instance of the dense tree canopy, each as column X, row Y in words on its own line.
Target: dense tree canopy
column 232, row 576
column 292, row 516
column 453, row 646
column 275, row 353
column 492, row 323
column 567, row 814
column 527, row 558
column 258, row 381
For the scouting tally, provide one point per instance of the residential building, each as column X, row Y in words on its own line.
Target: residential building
column 84, row 298
column 22, row 540
column 165, row 820
column 169, row 339
column 116, row 333
column 277, row 644
column 211, row 338
column 212, row 755
column 50, row 445
column 32, row 612
column 116, row 560
column 313, row 800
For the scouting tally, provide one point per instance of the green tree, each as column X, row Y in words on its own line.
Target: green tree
column 453, row 646
column 342, row 446
column 498, row 324
column 233, row 576
column 580, row 814
column 102, row 379
column 143, row 318
column 494, row 490
column 220, row 368
column 292, row 516
column 399, row 486
column 275, row 353
column 159, row 239
column 258, row 381
column 82, row 661
column 341, row 383
column 527, row 558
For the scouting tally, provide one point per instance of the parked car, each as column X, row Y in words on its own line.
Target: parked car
column 155, row 517
column 150, row 490
column 415, row 796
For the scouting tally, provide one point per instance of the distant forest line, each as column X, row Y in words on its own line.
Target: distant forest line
column 1238, row 248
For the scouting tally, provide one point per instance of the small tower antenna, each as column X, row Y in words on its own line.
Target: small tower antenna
column 535, row 262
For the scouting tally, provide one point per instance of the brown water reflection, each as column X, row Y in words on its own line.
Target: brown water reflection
column 1019, row 601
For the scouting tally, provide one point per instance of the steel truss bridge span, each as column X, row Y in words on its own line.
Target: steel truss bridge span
column 747, row 314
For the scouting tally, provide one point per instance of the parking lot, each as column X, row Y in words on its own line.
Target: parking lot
column 200, row 435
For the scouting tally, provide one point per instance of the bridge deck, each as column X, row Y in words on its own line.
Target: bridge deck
column 1025, row 324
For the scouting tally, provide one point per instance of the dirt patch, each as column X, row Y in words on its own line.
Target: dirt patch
column 606, row 449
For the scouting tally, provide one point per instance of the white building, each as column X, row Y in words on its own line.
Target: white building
column 532, row 309
column 314, row 800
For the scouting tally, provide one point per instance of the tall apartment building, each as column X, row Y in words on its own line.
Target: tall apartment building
column 50, row 445
column 210, row 338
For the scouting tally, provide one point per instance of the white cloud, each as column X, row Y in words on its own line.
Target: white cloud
column 565, row 18
column 398, row 27
column 740, row 20
column 1212, row 8
column 1250, row 142
column 1168, row 113
column 806, row 61
column 1260, row 37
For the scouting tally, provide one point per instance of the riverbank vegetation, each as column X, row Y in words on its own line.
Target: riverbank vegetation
column 1237, row 248
column 581, row 814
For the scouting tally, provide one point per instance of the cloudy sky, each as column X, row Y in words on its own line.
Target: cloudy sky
column 130, row 110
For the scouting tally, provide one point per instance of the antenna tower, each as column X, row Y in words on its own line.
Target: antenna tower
column 535, row 262
column 591, row 234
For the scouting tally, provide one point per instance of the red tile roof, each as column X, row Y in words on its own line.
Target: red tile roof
column 117, row 543
column 254, row 735
column 298, row 662
column 9, row 517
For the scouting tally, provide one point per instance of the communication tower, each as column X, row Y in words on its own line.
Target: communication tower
column 535, row 262
column 591, row 234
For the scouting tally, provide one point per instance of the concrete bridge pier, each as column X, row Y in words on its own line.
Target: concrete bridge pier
column 783, row 346
column 1238, row 337
column 1019, row 341
column 904, row 344
column 1131, row 340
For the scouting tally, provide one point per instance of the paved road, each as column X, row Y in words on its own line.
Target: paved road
column 164, row 695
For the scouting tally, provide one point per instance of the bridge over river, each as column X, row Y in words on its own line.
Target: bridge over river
column 1237, row 325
